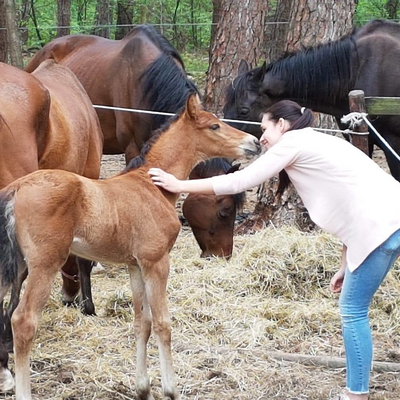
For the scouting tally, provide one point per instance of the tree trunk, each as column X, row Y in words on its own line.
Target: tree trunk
column 3, row 32
column 103, row 19
column 239, row 35
column 276, row 30
column 217, row 13
column 24, row 20
column 14, row 41
column 124, row 18
column 63, row 18
column 392, row 8
column 310, row 22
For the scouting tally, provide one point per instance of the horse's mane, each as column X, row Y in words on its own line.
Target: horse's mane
column 165, row 87
column 330, row 64
column 214, row 166
column 158, row 39
column 138, row 161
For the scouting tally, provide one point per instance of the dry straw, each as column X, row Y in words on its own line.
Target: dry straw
column 227, row 318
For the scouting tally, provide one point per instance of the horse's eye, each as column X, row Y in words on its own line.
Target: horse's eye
column 214, row 127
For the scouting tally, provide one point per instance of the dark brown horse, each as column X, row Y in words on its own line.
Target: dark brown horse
column 321, row 78
column 141, row 71
column 46, row 121
column 212, row 218
column 121, row 220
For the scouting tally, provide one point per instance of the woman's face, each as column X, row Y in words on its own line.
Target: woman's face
column 272, row 131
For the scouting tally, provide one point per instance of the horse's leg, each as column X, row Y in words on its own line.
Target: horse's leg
column 131, row 151
column 25, row 322
column 6, row 379
column 85, row 269
column 142, row 331
column 14, row 300
column 393, row 162
column 70, row 278
column 155, row 277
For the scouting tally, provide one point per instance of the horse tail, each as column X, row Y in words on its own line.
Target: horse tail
column 10, row 251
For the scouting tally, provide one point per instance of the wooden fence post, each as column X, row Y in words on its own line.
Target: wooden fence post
column 357, row 104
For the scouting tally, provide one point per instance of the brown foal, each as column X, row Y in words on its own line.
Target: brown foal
column 122, row 220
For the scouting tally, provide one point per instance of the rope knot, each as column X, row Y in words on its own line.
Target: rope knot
column 353, row 119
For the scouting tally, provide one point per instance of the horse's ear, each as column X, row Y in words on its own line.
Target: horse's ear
column 243, row 67
column 234, row 168
column 259, row 76
column 193, row 105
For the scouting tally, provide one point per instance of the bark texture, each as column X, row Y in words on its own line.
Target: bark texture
column 239, row 35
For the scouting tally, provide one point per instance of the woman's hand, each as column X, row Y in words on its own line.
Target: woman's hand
column 337, row 281
column 165, row 180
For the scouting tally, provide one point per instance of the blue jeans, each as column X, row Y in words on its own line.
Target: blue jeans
column 357, row 292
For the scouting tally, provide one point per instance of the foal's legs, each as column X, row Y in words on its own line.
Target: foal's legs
column 142, row 331
column 25, row 322
column 14, row 300
column 155, row 277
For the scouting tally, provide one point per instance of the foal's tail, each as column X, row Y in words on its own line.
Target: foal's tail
column 10, row 251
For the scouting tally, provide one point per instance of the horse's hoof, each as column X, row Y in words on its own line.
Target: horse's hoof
column 6, row 380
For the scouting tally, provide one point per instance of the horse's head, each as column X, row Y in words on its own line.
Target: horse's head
column 249, row 95
column 214, row 138
column 211, row 217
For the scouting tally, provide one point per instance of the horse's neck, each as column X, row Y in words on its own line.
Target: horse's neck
column 175, row 153
column 324, row 87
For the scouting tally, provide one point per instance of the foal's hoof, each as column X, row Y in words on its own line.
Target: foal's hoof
column 6, row 380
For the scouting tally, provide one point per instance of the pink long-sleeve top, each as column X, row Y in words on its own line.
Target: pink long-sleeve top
column 346, row 193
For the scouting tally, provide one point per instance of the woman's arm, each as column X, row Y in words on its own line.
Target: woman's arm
column 169, row 182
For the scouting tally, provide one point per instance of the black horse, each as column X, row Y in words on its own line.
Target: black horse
column 321, row 78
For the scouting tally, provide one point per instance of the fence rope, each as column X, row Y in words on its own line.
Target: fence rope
column 347, row 131
column 354, row 119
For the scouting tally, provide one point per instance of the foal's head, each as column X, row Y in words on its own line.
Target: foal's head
column 214, row 138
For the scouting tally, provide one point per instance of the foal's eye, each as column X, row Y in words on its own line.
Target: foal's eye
column 214, row 127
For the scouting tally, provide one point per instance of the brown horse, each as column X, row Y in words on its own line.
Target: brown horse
column 46, row 121
column 141, row 71
column 212, row 218
column 122, row 220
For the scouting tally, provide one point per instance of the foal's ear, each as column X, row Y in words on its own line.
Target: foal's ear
column 193, row 105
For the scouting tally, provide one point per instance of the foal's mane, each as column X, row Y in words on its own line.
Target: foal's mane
column 214, row 166
column 165, row 85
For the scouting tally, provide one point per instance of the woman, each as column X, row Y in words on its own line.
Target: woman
column 346, row 194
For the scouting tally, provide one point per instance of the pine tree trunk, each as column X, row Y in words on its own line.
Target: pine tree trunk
column 239, row 35
column 124, row 18
column 3, row 32
column 311, row 22
column 14, row 41
column 63, row 18
column 103, row 19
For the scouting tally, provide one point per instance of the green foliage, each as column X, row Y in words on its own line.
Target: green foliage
column 186, row 23
column 373, row 9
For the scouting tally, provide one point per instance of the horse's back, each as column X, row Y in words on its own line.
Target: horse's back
column 75, row 134
column 379, row 27
column 24, row 108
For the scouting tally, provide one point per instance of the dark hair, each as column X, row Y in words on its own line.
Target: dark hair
column 299, row 118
